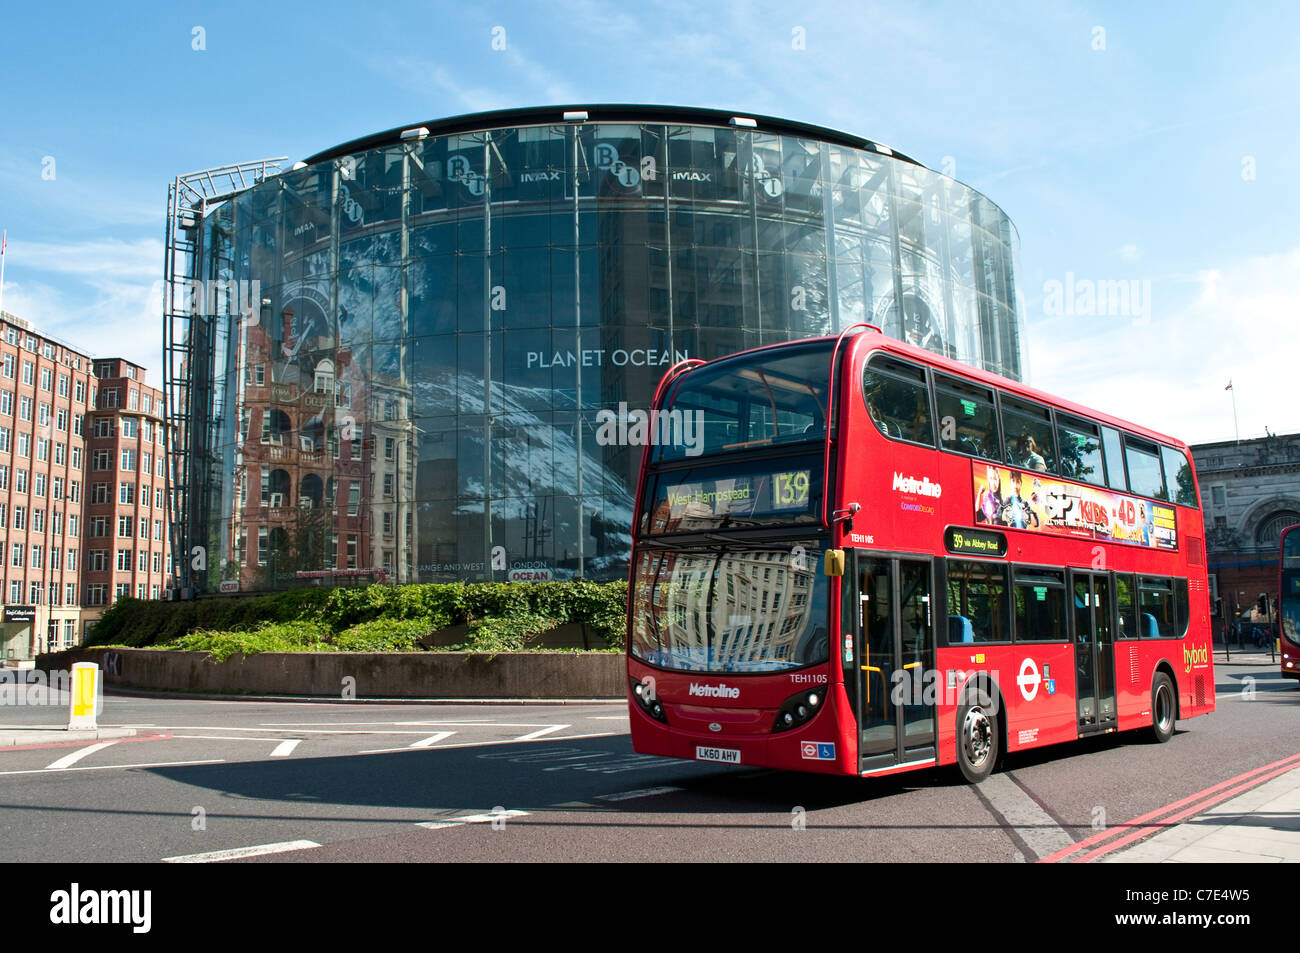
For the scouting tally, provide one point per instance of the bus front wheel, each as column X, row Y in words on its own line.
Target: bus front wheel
column 1162, row 709
column 977, row 740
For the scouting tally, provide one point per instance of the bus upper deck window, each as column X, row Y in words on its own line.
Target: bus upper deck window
column 898, row 400
column 966, row 417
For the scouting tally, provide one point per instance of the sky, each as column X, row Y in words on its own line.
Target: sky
column 1153, row 145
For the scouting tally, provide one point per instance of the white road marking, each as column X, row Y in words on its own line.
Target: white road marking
column 433, row 739
column 281, row 731
column 110, row 767
column 1034, row 825
column 502, row 741
column 285, row 748
column 470, row 819
column 69, row 760
column 643, row 792
column 541, row 731
column 214, row 856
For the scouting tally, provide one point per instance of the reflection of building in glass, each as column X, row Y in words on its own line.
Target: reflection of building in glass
column 477, row 294
column 732, row 612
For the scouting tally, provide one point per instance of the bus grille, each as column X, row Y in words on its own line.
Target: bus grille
column 1200, row 690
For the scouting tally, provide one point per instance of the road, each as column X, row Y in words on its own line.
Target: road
column 317, row 781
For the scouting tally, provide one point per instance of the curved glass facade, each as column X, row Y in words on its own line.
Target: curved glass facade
column 449, row 324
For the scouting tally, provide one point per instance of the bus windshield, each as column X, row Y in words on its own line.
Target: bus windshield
column 753, row 401
column 733, row 608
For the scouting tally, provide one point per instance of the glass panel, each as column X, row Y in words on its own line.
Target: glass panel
column 968, row 422
column 736, row 609
column 977, row 603
column 1114, row 459
column 1028, row 430
column 1080, row 450
column 1127, row 628
column 1144, row 475
column 876, row 592
column 1156, row 618
column 754, row 401
column 1040, row 607
column 1179, row 472
column 898, row 400
column 917, row 625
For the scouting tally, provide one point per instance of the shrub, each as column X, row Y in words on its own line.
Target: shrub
column 500, row 615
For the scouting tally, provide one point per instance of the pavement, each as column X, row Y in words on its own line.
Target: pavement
column 20, row 736
column 1259, row 826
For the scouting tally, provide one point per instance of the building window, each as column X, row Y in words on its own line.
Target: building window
column 128, row 460
column 124, row 525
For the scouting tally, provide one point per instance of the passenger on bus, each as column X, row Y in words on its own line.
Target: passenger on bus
column 1033, row 460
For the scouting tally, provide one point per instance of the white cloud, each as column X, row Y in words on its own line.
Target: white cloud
column 1240, row 321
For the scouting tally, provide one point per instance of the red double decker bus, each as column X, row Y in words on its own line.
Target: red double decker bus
column 1288, row 604
column 854, row 556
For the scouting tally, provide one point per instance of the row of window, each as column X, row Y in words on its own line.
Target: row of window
column 99, row 526
column 29, row 341
column 909, row 402
column 7, row 367
column 102, row 493
column 131, row 427
column 23, row 446
column 37, row 557
column 38, row 520
column 54, row 593
column 97, row 593
column 103, row 460
column 985, row 599
column 38, row 484
column 44, row 412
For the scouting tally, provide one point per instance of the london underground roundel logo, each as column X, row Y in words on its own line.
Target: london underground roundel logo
column 1029, row 679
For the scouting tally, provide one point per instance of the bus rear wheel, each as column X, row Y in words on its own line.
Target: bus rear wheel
column 977, row 741
column 1162, row 709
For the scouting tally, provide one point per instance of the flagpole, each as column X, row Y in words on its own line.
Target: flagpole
column 4, row 240
column 1235, row 429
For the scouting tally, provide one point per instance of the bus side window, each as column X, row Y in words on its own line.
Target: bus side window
column 1030, row 442
column 967, row 420
column 898, row 400
column 1156, row 604
column 1180, row 608
column 1125, row 628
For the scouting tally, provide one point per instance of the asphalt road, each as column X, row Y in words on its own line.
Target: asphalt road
column 371, row 782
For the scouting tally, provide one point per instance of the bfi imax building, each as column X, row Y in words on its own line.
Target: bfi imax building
column 436, row 324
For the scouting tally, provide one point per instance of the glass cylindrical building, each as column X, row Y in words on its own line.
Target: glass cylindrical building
column 444, row 316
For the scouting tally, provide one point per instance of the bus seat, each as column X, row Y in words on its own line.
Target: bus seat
column 960, row 630
column 1150, row 630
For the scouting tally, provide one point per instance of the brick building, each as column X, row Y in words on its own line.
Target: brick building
column 45, row 389
column 1250, row 491
column 125, row 509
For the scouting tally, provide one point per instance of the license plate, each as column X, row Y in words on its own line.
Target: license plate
column 725, row 755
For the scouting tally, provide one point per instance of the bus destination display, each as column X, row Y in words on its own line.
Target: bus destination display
column 784, row 495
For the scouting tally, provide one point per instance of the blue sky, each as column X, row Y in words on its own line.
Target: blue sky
column 1128, row 142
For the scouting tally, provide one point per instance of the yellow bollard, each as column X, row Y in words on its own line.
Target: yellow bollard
column 86, row 697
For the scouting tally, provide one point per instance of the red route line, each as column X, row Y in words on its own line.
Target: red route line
column 1250, row 781
column 78, row 744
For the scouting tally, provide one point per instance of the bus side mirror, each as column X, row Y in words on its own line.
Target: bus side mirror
column 834, row 563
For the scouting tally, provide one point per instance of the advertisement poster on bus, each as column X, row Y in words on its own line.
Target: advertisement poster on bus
column 1024, row 499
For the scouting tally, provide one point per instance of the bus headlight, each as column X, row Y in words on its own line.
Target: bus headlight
column 796, row 710
column 644, row 694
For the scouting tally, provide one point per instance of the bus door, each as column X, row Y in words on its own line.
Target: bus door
column 894, row 639
column 1094, row 651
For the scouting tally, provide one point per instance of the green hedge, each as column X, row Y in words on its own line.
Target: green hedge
column 500, row 616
